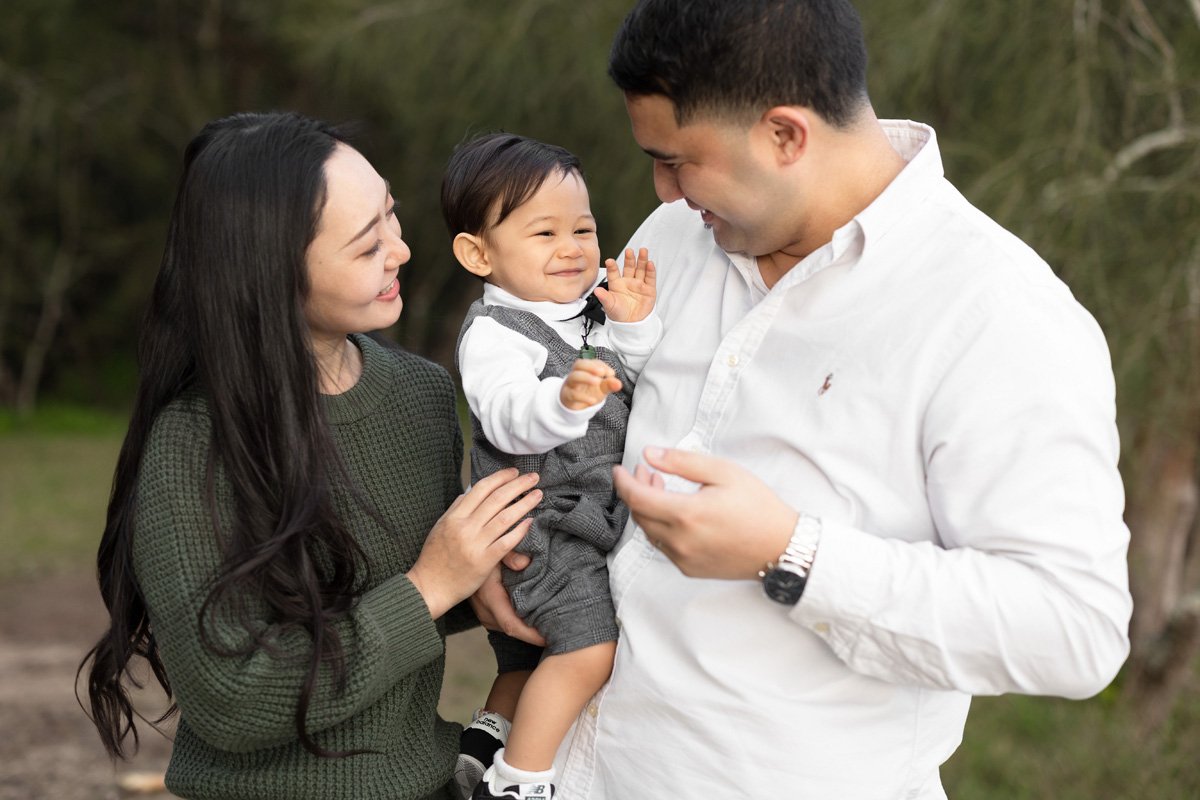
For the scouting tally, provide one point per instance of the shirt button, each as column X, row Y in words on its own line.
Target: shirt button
column 732, row 361
column 821, row 627
column 618, row 619
column 592, row 709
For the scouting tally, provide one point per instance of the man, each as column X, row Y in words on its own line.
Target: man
column 892, row 477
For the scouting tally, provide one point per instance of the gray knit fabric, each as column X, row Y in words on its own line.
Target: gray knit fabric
column 564, row 592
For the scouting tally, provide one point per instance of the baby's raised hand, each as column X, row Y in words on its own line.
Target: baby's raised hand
column 589, row 382
column 630, row 294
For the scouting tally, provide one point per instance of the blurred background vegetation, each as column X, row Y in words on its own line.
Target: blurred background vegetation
column 1075, row 123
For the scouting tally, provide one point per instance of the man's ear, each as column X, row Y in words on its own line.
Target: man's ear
column 787, row 129
column 471, row 252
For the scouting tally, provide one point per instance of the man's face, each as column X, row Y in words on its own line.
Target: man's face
column 716, row 167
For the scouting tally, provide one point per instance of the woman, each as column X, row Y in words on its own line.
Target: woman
column 276, row 546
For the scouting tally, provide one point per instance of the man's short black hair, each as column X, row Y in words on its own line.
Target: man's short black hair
column 737, row 58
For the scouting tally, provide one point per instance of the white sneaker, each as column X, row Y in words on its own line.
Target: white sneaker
column 490, row 788
column 480, row 740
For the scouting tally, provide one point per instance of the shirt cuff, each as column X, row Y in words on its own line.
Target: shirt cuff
column 635, row 337
column 847, row 561
column 400, row 617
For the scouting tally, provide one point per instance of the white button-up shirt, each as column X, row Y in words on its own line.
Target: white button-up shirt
column 926, row 386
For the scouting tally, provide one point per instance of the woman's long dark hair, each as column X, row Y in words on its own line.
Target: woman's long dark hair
column 226, row 320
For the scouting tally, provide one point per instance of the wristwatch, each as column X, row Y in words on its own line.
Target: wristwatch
column 784, row 578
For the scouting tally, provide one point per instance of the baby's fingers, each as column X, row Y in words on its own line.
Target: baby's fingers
column 590, row 366
column 610, row 267
column 635, row 267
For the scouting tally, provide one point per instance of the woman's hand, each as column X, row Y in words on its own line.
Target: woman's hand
column 480, row 528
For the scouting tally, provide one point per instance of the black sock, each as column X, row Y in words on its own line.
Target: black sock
column 479, row 744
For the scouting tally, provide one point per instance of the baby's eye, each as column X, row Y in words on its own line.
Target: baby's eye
column 585, row 231
column 544, row 233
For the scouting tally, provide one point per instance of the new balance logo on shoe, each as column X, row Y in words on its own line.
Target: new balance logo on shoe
column 525, row 791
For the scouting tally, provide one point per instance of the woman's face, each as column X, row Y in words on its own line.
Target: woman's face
column 354, row 259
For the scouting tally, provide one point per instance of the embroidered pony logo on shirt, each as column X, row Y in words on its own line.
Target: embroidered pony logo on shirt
column 826, row 385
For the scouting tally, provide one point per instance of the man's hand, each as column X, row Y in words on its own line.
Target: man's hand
column 631, row 293
column 729, row 528
column 589, row 382
column 495, row 610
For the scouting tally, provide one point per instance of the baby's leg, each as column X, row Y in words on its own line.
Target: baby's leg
column 551, row 700
column 506, row 690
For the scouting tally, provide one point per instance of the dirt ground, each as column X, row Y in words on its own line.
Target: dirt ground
column 49, row 749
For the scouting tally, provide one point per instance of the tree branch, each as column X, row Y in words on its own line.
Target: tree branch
column 1148, row 144
column 1149, row 28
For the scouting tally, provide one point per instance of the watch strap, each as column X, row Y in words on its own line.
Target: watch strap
column 796, row 561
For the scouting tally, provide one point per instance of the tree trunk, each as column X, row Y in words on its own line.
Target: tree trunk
column 34, row 361
column 1165, row 629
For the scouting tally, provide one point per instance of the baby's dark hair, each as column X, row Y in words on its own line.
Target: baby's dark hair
column 489, row 176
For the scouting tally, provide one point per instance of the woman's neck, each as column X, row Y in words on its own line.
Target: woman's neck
column 339, row 364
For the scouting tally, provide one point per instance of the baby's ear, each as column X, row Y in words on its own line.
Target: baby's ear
column 471, row 252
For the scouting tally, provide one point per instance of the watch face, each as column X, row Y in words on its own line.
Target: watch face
column 783, row 586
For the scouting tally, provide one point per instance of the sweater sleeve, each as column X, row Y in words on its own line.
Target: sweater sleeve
column 247, row 701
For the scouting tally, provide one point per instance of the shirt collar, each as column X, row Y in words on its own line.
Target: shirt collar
column 917, row 144
column 493, row 295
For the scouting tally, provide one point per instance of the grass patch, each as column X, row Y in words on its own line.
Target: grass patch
column 56, row 467
column 1027, row 748
column 63, row 419
column 53, row 495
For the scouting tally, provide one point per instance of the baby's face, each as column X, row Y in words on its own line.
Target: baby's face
column 547, row 248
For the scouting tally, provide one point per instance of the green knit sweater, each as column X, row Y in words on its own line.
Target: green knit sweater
column 399, row 437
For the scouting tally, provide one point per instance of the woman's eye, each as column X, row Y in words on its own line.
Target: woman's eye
column 375, row 249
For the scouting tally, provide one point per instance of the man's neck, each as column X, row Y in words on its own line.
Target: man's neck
column 854, row 170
